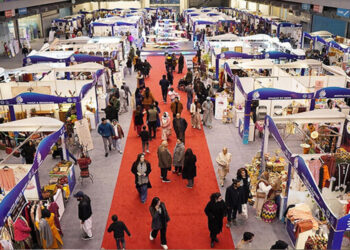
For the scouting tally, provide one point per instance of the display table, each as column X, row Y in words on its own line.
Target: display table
column 48, row 113
column 64, row 170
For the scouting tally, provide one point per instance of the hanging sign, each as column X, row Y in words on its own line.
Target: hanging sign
column 306, row 6
column 318, row 8
column 84, row 135
column 343, row 12
column 22, row 11
column 10, row 13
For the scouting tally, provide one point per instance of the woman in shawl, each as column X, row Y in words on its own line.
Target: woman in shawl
column 166, row 126
column 208, row 113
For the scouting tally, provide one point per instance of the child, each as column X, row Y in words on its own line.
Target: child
column 172, row 94
column 145, row 139
column 118, row 227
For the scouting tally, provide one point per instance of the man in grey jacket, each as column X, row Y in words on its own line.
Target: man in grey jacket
column 178, row 157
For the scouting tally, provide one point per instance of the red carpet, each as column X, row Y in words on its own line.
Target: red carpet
column 188, row 227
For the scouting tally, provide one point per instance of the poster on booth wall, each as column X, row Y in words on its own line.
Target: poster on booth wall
column 84, row 135
column 220, row 105
column 318, row 85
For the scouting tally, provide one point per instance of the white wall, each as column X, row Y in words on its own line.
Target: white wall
column 252, row 6
column 121, row 4
column 234, row 4
column 264, row 9
column 242, row 4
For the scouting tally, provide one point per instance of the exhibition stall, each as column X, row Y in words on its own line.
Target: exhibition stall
column 116, row 26
column 54, row 98
column 75, row 21
column 23, row 184
column 274, row 85
column 314, row 188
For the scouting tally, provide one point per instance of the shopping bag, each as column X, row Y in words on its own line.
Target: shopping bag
column 245, row 211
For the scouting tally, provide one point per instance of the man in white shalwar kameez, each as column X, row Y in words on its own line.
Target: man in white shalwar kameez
column 208, row 113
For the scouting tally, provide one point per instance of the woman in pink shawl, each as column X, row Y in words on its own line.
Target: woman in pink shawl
column 166, row 126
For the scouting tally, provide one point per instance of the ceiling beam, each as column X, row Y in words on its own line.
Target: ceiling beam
column 345, row 4
column 26, row 4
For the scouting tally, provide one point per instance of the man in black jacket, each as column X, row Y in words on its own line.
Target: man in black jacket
column 85, row 213
column 233, row 199
column 118, row 227
column 180, row 126
column 111, row 112
column 164, row 84
column 181, row 64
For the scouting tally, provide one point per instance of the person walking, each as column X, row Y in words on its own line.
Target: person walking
column 152, row 115
column 223, row 160
column 118, row 228
column 196, row 114
column 111, row 112
column 178, row 157
column 127, row 91
column 106, row 130
column 243, row 178
column 208, row 112
column 129, row 65
column 246, row 242
column 181, row 63
column 118, row 136
column 166, row 126
column 176, row 106
column 140, row 80
column 180, row 126
column 233, row 199
column 170, row 77
column 147, row 68
column 189, row 170
column 160, row 219
column 189, row 77
column 174, row 61
column 138, row 119
column 138, row 52
column 189, row 91
column 145, row 138
column 141, row 169
column 123, row 100
column 164, row 160
column 148, row 99
column 215, row 211
column 28, row 152
column 24, row 51
column 164, row 84
column 85, row 214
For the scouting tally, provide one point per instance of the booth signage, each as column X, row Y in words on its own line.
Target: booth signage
column 318, row 8
column 306, row 6
column 343, row 12
column 10, row 13
column 22, row 11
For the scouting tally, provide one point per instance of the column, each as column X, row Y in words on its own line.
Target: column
column 12, row 113
column 79, row 111
column 246, row 123
column 15, row 25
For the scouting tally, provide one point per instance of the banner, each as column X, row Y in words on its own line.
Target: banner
column 318, row 8
column 22, row 11
column 84, row 135
column 343, row 12
column 10, row 13
column 305, row 6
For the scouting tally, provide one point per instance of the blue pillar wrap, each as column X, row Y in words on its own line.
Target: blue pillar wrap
column 217, row 68
column 12, row 113
column 246, row 123
column 278, row 30
column 37, row 180
column 302, row 71
column 335, row 239
column 312, row 104
column 112, row 30
column 79, row 111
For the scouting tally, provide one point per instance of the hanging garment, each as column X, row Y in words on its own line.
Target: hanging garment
column 314, row 166
column 342, row 176
column 7, row 178
column 6, row 244
column 330, row 161
column 45, row 233
column 21, row 229
column 324, row 177
column 54, row 208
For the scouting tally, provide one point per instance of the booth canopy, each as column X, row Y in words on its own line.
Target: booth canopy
column 34, row 68
column 45, row 124
column 314, row 116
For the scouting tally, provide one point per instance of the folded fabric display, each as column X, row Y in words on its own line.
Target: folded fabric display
column 302, row 212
